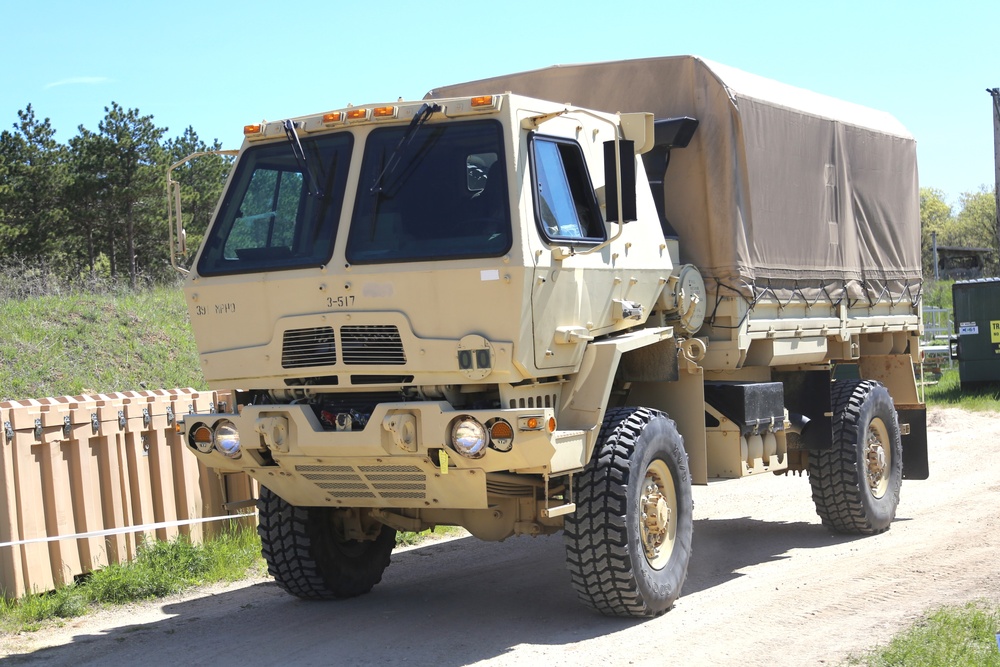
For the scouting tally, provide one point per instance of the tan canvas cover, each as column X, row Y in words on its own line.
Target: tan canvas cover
column 781, row 187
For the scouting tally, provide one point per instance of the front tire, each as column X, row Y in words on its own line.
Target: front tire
column 855, row 483
column 309, row 558
column 629, row 542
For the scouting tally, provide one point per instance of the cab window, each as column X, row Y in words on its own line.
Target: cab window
column 566, row 209
column 438, row 193
column 276, row 215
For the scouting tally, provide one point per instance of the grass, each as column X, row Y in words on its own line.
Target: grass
column 948, row 393
column 949, row 637
column 159, row 569
column 411, row 539
column 77, row 343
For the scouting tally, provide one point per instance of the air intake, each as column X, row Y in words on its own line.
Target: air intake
column 375, row 482
column 308, row 347
column 378, row 345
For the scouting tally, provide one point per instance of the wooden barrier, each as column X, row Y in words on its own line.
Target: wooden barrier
column 80, row 464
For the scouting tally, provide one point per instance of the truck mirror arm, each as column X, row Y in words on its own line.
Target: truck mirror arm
column 175, row 225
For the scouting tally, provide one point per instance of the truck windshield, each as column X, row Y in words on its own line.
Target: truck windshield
column 269, row 219
column 446, row 197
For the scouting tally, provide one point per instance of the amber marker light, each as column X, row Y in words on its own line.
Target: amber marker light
column 501, row 429
column 249, row 130
column 357, row 114
column 501, row 435
column 482, row 101
column 201, row 438
column 384, row 112
column 551, row 424
column 334, row 117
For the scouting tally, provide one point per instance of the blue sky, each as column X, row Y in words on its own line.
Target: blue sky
column 218, row 65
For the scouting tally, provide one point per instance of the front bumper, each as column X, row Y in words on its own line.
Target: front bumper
column 403, row 458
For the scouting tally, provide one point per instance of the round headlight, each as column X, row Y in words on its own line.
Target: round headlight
column 200, row 437
column 468, row 437
column 227, row 439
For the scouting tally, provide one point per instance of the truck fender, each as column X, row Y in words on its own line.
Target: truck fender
column 586, row 396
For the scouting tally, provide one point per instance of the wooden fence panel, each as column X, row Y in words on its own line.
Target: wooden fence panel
column 83, row 464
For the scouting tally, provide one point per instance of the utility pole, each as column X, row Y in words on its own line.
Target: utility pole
column 995, row 93
column 937, row 275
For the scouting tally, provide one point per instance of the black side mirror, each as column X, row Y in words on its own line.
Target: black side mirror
column 626, row 159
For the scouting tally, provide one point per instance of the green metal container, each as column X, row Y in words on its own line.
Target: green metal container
column 977, row 329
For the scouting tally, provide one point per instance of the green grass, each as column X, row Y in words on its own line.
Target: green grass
column 948, row 393
column 79, row 343
column 159, row 569
column 406, row 539
column 950, row 637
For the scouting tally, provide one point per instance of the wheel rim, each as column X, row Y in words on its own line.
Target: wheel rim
column 878, row 457
column 658, row 521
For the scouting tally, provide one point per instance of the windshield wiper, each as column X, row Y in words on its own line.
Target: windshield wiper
column 422, row 116
column 302, row 161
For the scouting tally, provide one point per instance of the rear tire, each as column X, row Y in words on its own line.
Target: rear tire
column 855, row 483
column 629, row 542
column 309, row 559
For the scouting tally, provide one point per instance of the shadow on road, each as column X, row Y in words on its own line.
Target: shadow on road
column 450, row 603
column 723, row 547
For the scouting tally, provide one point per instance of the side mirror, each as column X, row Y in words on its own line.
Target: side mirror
column 619, row 176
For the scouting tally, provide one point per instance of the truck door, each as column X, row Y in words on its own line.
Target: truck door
column 572, row 293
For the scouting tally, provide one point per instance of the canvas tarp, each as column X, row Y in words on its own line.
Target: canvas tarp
column 780, row 188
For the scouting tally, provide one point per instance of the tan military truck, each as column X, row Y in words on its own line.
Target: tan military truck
column 497, row 308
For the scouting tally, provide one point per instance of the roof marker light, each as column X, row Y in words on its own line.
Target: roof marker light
column 384, row 112
column 334, row 117
column 482, row 101
column 357, row 114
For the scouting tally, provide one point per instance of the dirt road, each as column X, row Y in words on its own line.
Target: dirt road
column 768, row 585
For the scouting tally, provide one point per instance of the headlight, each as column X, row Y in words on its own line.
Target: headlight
column 227, row 439
column 468, row 437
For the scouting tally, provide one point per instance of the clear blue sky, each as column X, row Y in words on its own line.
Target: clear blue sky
column 218, row 65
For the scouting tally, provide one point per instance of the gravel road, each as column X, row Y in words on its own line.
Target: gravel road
column 768, row 585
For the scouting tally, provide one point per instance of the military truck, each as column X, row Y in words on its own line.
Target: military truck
column 498, row 308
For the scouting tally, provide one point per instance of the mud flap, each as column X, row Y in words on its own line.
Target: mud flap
column 915, row 465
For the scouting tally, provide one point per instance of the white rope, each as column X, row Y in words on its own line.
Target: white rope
column 127, row 529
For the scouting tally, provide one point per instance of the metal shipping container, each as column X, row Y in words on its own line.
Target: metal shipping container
column 977, row 327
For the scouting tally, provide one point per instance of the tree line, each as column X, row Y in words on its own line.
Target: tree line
column 973, row 225
column 96, row 205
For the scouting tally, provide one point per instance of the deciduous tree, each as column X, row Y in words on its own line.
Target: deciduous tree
column 935, row 218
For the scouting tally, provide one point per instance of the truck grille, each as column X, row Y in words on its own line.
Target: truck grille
column 375, row 345
column 308, row 347
column 386, row 482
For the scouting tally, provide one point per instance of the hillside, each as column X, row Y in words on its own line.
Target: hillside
column 82, row 343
